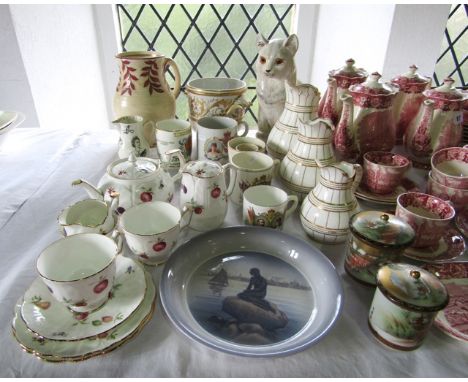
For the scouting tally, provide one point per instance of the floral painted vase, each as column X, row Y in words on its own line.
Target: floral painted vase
column 142, row 89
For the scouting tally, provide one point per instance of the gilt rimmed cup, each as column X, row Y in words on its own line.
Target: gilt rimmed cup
column 248, row 169
column 151, row 230
column 428, row 215
column 239, row 144
column 173, row 134
column 267, row 206
column 213, row 135
column 384, row 170
column 79, row 270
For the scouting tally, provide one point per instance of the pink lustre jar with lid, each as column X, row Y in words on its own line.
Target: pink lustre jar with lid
column 409, row 99
column 373, row 124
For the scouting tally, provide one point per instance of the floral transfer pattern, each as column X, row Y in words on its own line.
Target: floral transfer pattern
column 271, row 218
column 262, row 180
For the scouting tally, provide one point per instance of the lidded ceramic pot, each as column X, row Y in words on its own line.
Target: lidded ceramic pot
column 373, row 122
column 339, row 81
column 409, row 99
column 405, row 304
column 439, row 123
column 137, row 180
column 376, row 238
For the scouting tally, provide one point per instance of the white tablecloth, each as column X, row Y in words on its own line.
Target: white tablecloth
column 36, row 169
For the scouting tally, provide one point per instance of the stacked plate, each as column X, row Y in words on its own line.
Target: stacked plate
column 48, row 329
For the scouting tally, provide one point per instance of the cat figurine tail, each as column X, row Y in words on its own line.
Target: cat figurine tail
column 275, row 65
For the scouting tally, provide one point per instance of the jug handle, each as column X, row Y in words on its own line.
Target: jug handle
column 357, row 176
column 117, row 237
column 246, row 128
column 172, row 63
column 178, row 153
column 232, row 180
column 276, row 166
column 187, row 208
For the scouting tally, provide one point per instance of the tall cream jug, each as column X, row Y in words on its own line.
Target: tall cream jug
column 143, row 90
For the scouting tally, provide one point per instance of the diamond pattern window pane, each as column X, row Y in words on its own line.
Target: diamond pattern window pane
column 452, row 61
column 206, row 40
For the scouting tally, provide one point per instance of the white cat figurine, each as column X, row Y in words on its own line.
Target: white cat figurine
column 275, row 64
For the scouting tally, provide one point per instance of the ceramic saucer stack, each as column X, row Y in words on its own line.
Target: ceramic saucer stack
column 48, row 329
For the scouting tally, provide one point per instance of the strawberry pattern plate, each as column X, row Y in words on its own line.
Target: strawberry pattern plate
column 453, row 320
column 60, row 351
column 51, row 319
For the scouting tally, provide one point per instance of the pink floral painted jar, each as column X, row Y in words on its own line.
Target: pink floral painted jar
column 450, row 167
column 405, row 304
column 458, row 196
column 428, row 215
column 383, row 171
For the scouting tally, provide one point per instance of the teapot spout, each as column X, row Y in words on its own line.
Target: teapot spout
column 92, row 191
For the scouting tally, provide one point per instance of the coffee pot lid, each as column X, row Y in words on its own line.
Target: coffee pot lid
column 133, row 168
column 446, row 92
column 412, row 287
column 412, row 76
column 349, row 71
column 373, row 86
column 381, row 229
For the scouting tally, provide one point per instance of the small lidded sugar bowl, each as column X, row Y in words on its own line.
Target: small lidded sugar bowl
column 375, row 239
column 405, row 304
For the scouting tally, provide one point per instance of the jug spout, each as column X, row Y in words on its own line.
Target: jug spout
column 418, row 136
column 328, row 104
column 343, row 140
column 92, row 191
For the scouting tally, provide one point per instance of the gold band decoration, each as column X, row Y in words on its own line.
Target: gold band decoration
column 331, row 207
column 300, row 109
column 335, row 185
column 309, row 162
column 314, row 141
column 295, row 187
column 289, row 129
column 324, row 230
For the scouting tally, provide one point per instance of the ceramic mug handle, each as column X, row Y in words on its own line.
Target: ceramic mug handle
column 172, row 63
column 232, row 180
column 246, row 128
column 117, row 237
column 295, row 201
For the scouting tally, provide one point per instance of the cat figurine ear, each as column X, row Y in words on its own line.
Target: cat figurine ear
column 261, row 41
column 291, row 43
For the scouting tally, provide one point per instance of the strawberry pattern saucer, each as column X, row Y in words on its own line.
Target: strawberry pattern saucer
column 51, row 319
column 60, row 351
